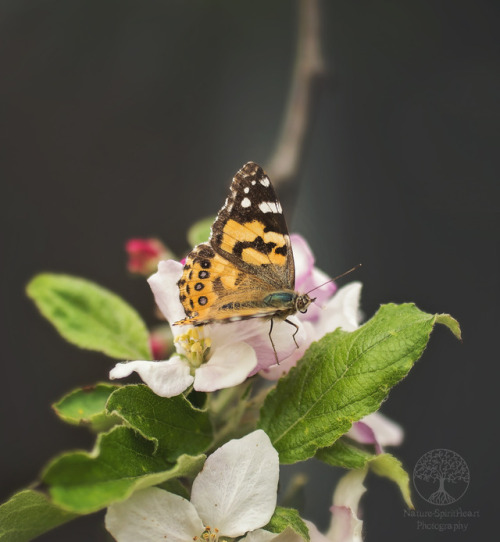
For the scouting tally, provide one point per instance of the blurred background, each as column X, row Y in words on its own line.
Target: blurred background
column 123, row 119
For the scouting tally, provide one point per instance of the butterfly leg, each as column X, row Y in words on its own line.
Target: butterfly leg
column 295, row 332
column 272, row 342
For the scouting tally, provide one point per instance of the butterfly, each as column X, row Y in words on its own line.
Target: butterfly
column 246, row 269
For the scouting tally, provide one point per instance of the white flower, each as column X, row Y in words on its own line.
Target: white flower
column 288, row 535
column 234, row 493
column 345, row 525
column 208, row 357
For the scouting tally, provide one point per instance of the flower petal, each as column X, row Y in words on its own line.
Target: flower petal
column 255, row 332
column 377, row 429
column 308, row 277
column 363, row 433
column 166, row 291
column 229, row 366
column 165, row 378
column 278, row 370
column 345, row 525
column 236, row 490
column 303, row 258
column 259, row 535
column 283, row 339
column 151, row 515
column 323, row 291
column 341, row 311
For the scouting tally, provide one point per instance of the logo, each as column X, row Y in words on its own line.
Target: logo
column 441, row 477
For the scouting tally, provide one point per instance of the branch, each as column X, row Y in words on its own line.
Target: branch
column 285, row 163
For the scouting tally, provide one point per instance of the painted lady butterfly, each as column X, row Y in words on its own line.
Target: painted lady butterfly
column 246, row 269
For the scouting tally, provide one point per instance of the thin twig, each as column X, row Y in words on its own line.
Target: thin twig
column 284, row 165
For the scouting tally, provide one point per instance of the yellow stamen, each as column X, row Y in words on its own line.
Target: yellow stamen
column 193, row 346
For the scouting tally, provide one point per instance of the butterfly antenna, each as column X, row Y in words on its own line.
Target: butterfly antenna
column 337, row 277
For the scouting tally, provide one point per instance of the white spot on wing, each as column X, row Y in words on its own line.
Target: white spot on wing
column 270, row 207
column 245, row 202
column 264, row 182
column 246, row 189
column 253, row 183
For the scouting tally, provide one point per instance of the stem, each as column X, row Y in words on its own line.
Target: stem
column 285, row 163
column 239, row 414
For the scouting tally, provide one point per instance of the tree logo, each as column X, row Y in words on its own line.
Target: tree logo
column 441, row 477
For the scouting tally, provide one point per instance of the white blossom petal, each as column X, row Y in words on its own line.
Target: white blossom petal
column 276, row 371
column 236, row 490
column 255, row 332
column 229, row 366
column 152, row 515
column 323, row 291
column 308, row 277
column 283, row 339
column 303, row 258
column 235, row 332
column 259, row 535
column 363, row 433
column 166, row 291
column 165, row 378
column 381, row 431
column 345, row 525
column 341, row 311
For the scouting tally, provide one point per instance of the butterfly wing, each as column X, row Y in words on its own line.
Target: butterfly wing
column 248, row 256
column 250, row 230
column 213, row 289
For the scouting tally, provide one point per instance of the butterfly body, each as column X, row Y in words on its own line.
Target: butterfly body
column 246, row 269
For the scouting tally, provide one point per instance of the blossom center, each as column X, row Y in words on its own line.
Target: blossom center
column 211, row 534
column 193, row 345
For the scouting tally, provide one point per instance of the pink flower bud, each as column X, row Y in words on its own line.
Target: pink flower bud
column 161, row 342
column 144, row 255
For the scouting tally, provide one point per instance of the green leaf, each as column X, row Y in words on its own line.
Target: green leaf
column 388, row 466
column 90, row 316
column 121, row 463
column 173, row 424
column 87, row 406
column 199, row 232
column 345, row 454
column 342, row 378
column 287, row 517
column 450, row 323
column 29, row 514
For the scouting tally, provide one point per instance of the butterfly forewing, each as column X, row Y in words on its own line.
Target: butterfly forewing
column 247, row 258
column 250, row 230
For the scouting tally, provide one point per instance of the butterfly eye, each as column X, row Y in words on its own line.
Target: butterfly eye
column 303, row 303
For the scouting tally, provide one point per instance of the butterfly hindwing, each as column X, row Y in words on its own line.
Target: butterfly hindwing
column 212, row 288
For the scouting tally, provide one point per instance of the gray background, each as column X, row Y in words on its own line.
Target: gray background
column 121, row 118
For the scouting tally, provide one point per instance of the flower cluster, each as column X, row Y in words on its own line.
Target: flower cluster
column 172, row 464
column 233, row 496
column 205, row 356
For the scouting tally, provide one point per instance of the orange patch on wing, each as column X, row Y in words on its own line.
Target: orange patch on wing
column 235, row 232
column 198, row 296
column 255, row 257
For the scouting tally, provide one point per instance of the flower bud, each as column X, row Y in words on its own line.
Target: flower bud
column 144, row 255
